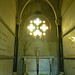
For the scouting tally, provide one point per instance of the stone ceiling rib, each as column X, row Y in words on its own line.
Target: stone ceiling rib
column 46, row 1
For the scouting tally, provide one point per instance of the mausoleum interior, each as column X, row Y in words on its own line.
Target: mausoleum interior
column 37, row 37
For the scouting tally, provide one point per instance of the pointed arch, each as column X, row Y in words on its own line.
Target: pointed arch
column 46, row 1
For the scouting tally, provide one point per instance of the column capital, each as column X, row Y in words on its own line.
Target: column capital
column 58, row 22
column 50, row 59
column 25, row 60
column 18, row 21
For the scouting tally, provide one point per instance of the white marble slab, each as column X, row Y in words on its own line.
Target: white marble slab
column 6, row 41
column 6, row 67
column 69, row 44
column 69, row 67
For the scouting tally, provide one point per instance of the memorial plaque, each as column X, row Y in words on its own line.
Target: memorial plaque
column 6, row 41
column 69, row 44
column 31, row 65
column 69, row 67
column 44, row 67
column 6, row 67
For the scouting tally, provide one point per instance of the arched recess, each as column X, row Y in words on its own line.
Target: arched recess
column 32, row 39
column 50, row 42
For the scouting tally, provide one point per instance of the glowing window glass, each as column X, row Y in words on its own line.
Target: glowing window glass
column 37, row 27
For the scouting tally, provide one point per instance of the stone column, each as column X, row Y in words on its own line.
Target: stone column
column 24, row 68
column 37, row 60
column 50, row 59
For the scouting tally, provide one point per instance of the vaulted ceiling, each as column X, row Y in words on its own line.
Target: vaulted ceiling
column 42, row 6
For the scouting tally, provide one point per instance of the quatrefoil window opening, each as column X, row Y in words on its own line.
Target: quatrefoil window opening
column 37, row 27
